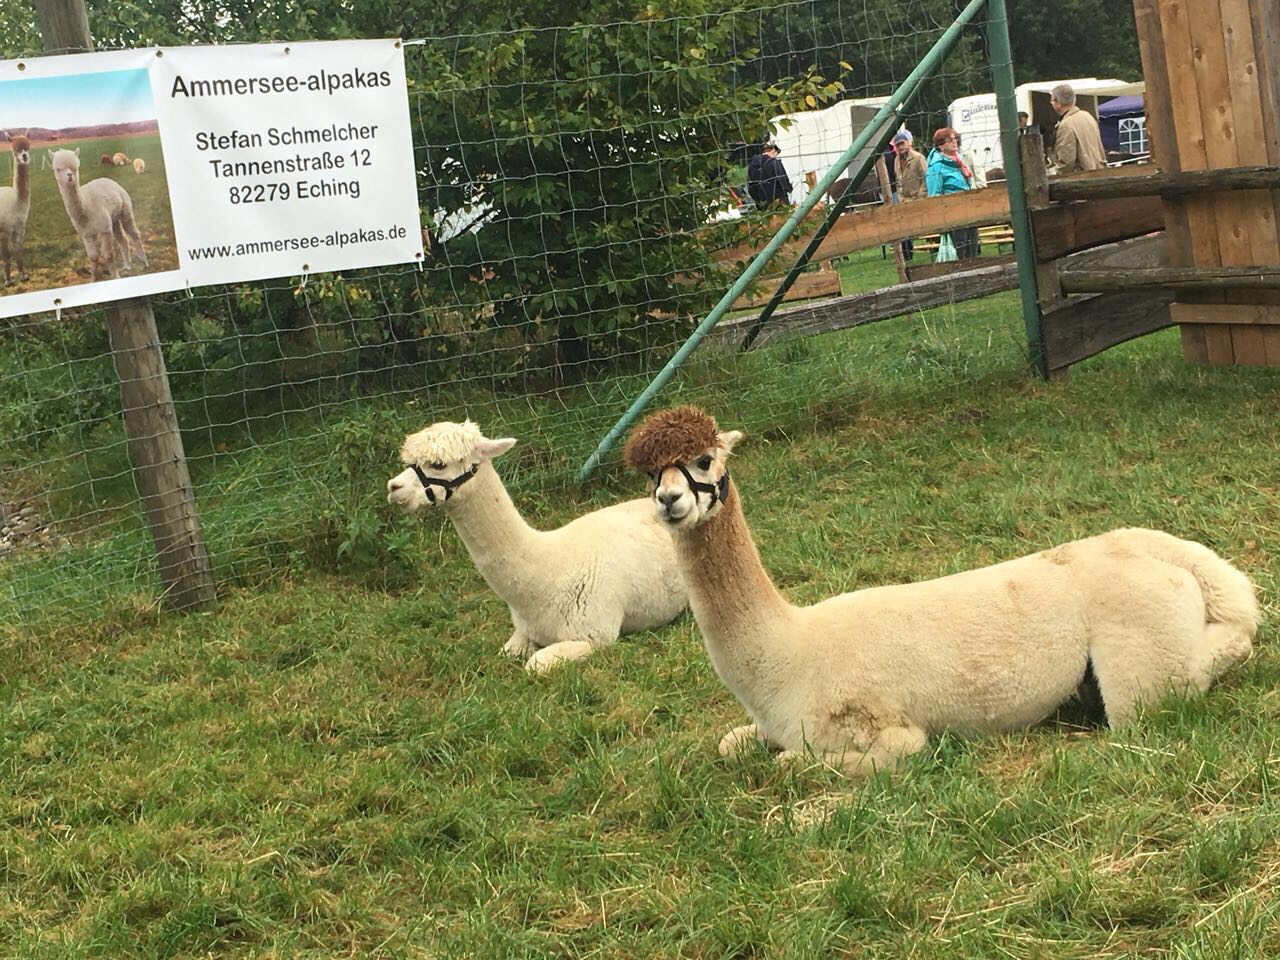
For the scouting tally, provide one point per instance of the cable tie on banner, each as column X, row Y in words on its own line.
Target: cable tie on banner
column 190, row 295
column 57, row 310
column 306, row 268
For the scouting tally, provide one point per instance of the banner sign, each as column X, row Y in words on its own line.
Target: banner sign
column 142, row 171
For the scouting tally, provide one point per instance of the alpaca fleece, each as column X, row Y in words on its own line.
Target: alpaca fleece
column 864, row 678
column 570, row 591
column 440, row 443
column 668, row 437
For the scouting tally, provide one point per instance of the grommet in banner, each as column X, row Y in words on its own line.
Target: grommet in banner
column 287, row 51
column 159, row 53
column 397, row 47
column 21, row 65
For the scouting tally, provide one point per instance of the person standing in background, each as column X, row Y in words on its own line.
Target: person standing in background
column 1078, row 142
column 948, row 173
column 767, row 180
column 910, row 166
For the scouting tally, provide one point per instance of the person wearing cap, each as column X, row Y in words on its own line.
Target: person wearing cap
column 911, row 168
column 1077, row 144
column 767, row 180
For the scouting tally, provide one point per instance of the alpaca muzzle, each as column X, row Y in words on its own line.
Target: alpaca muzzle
column 448, row 485
column 718, row 491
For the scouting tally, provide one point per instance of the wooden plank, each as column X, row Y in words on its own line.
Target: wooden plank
column 1201, row 246
column 1270, row 339
column 1155, row 183
column 1264, row 16
column 1159, row 97
column 879, row 225
column 1146, row 251
column 1117, row 279
column 1226, row 313
column 1194, row 347
column 924, row 271
column 864, row 308
column 1083, row 327
column 808, row 286
column 1248, row 346
column 1066, row 228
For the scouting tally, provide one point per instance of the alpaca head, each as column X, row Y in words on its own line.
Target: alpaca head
column 686, row 458
column 21, row 148
column 66, row 167
column 439, row 461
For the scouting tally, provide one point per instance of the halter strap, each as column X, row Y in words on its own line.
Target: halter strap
column 449, row 485
column 719, row 490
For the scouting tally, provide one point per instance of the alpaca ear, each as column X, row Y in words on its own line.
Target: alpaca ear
column 488, row 449
column 729, row 438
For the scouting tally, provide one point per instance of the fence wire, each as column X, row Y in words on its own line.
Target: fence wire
column 576, row 183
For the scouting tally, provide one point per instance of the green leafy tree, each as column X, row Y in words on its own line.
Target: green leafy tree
column 1074, row 38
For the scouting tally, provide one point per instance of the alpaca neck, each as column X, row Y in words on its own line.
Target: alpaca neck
column 22, row 182
column 729, row 590
column 502, row 546
column 71, row 200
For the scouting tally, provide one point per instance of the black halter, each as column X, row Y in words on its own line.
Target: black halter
column 449, row 485
column 719, row 490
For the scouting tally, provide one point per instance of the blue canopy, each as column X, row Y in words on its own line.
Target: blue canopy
column 1111, row 113
column 1121, row 107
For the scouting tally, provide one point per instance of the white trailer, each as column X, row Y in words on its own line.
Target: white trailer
column 975, row 118
column 813, row 140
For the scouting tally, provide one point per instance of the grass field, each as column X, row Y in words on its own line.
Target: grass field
column 55, row 255
column 337, row 762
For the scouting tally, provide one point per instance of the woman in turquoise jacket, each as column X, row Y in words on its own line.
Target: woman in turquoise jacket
column 947, row 173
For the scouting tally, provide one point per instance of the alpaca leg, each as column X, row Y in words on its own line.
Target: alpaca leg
column 107, row 250
column 91, row 251
column 131, row 228
column 555, row 654
column 1223, row 646
column 18, row 249
column 121, row 245
column 1138, row 665
column 743, row 739
column 519, row 645
column 4, row 248
column 891, row 746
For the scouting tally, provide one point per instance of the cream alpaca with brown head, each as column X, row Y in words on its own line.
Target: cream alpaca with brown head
column 570, row 590
column 864, row 678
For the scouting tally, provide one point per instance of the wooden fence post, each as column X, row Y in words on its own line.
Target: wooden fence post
column 886, row 197
column 155, row 444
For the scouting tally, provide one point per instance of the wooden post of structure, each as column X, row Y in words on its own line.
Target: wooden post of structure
column 811, row 181
column 886, row 195
column 155, row 444
column 1212, row 73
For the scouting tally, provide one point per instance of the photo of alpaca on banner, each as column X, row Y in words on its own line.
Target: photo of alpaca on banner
column 84, row 195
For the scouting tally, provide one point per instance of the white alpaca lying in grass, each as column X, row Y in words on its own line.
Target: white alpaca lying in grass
column 864, row 678
column 102, row 213
column 570, row 590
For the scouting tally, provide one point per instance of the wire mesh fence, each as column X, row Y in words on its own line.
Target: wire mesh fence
column 579, row 185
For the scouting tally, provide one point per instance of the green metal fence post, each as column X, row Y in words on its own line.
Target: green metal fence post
column 925, row 67
column 1023, row 244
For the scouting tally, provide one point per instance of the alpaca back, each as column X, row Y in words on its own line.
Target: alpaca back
column 104, row 201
